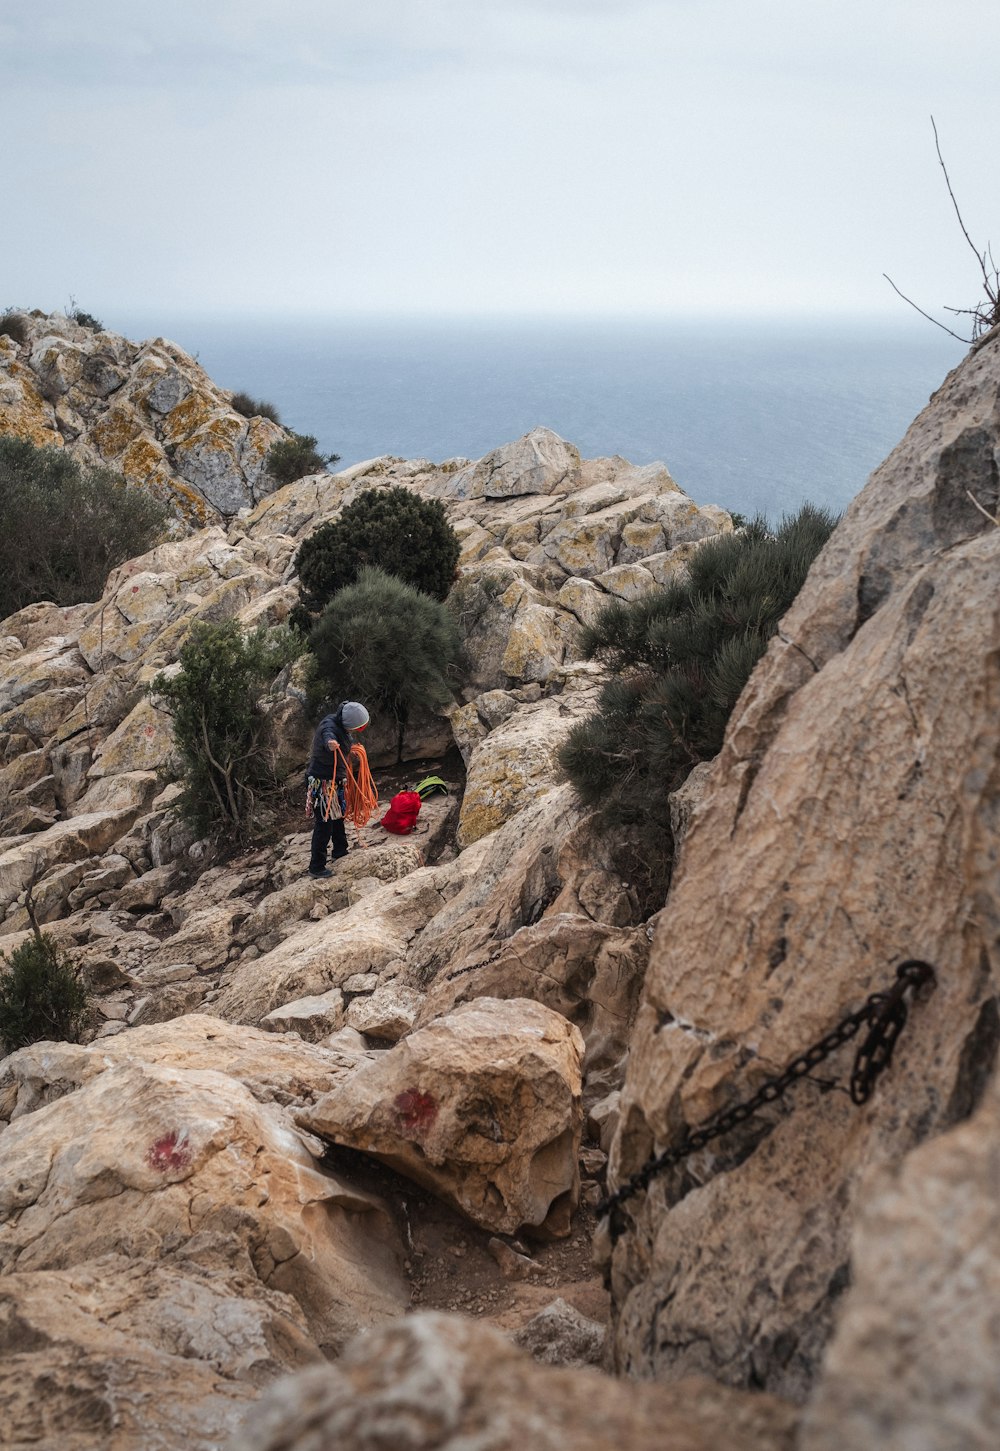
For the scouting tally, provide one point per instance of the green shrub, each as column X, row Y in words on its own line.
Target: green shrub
column 65, row 527
column 384, row 642
column 87, row 320
column 41, row 997
column 13, row 325
column 391, row 529
column 292, row 458
column 255, row 408
column 220, row 729
column 677, row 661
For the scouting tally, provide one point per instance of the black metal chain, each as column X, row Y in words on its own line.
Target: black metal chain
column 885, row 1015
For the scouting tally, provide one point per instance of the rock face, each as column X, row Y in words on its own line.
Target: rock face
column 850, row 822
column 913, row 1360
column 189, row 1153
column 483, row 1107
column 169, row 1242
column 147, row 410
column 124, row 1354
column 437, row 1381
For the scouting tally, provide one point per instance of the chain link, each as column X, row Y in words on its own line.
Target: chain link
column 885, row 1016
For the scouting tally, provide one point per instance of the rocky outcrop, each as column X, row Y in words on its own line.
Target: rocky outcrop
column 913, row 1358
column 127, row 1354
column 188, row 1154
column 483, row 1107
column 447, row 1383
column 145, row 409
column 850, row 822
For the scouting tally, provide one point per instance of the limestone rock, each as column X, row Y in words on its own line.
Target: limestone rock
column 389, row 1012
column 313, row 1019
column 143, row 1158
column 445, row 1383
column 368, row 935
column 65, row 841
column 128, row 1354
column 516, row 763
column 849, row 823
column 147, row 409
column 539, row 463
column 589, row 972
column 560, row 1335
column 914, row 1356
column 482, row 1107
column 55, row 664
column 273, row 1068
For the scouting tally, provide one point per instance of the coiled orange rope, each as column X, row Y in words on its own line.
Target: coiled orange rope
column 360, row 791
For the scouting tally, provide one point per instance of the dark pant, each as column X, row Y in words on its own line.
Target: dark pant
column 323, row 833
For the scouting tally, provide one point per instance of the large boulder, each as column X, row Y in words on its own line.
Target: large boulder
column 127, row 1354
column 144, row 1159
column 444, row 1383
column 850, row 822
column 273, row 1067
column 482, row 1107
column 514, row 764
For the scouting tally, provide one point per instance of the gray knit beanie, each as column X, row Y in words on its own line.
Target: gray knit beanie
column 353, row 715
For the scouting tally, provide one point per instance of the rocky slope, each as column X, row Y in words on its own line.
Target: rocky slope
column 145, row 409
column 454, row 1004
column 308, row 1106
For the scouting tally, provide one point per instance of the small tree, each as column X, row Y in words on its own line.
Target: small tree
column 220, row 729
column 382, row 640
column 41, row 997
column 392, row 529
column 66, row 527
column 293, row 458
column 678, row 660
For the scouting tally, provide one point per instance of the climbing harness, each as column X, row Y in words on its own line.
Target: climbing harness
column 885, row 1016
column 322, row 800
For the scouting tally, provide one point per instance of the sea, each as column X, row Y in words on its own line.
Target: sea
column 758, row 416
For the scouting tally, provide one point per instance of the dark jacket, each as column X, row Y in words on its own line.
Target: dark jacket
column 331, row 727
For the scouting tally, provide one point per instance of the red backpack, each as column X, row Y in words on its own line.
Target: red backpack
column 401, row 817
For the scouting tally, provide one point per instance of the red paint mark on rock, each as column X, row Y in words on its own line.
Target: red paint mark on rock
column 150, row 731
column 417, row 1111
column 135, row 589
column 169, row 1153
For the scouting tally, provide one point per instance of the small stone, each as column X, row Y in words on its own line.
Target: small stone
column 513, row 1266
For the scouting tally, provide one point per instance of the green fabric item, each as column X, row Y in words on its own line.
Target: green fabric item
column 430, row 786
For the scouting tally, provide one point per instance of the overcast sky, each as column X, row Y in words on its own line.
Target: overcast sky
column 484, row 156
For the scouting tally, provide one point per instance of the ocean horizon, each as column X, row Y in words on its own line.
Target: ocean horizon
column 758, row 416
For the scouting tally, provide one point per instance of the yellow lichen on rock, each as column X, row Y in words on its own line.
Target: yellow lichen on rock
column 191, row 413
column 112, row 434
column 145, row 462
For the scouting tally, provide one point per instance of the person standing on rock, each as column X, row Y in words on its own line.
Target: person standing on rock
column 326, row 779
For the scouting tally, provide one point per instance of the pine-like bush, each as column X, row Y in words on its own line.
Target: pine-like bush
column 383, row 642
column 293, row 458
column 13, row 325
column 41, row 997
column 678, row 660
column 255, row 408
column 220, row 730
column 65, row 527
column 392, row 529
